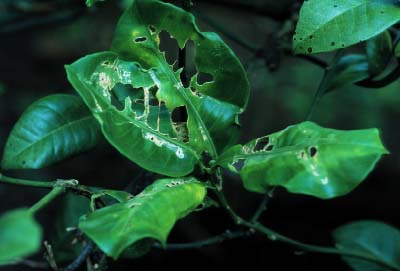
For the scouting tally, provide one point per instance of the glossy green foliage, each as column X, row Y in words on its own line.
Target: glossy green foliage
column 50, row 130
column 344, row 71
column 373, row 238
column 306, row 159
column 333, row 24
column 133, row 91
column 379, row 52
column 150, row 214
column 63, row 239
column 20, row 236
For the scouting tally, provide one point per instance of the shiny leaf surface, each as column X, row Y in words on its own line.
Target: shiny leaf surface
column 133, row 91
column 20, row 236
column 150, row 214
column 333, row 24
column 373, row 238
column 306, row 159
column 50, row 130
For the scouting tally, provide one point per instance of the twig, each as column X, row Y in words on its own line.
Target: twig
column 227, row 235
column 50, row 256
column 263, row 205
column 81, row 258
column 55, row 192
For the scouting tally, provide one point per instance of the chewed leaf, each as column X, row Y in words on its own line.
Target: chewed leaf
column 150, row 214
column 306, row 159
column 333, row 24
column 133, row 91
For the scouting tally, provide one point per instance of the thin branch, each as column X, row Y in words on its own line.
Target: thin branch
column 227, row 235
column 272, row 235
column 81, row 258
column 263, row 205
column 31, row 183
column 55, row 192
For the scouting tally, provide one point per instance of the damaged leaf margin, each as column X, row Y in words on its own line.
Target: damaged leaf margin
column 306, row 159
column 133, row 91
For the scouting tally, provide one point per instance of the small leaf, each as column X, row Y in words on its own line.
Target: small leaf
column 343, row 71
column 63, row 240
column 20, row 236
column 90, row 3
column 333, row 24
column 50, row 130
column 306, row 159
column 374, row 239
column 150, row 214
column 133, row 91
column 379, row 52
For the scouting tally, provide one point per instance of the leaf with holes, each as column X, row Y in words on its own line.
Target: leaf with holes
column 333, row 24
column 50, row 130
column 307, row 159
column 379, row 51
column 20, row 236
column 133, row 91
column 150, row 214
column 374, row 239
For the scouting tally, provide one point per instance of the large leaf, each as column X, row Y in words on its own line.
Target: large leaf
column 20, row 236
column 133, row 91
column 306, row 159
column 150, row 214
column 379, row 51
column 332, row 24
column 374, row 239
column 50, row 130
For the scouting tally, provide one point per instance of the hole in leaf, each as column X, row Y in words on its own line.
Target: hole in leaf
column 204, row 77
column 261, row 144
column 152, row 29
column 313, row 151
column 121, row 91
column 269, row 148
column 169, row 46
column 179, row 114
column 239, row 164
column 140, row 39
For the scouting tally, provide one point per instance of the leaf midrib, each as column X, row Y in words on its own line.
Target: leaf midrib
column 181, row 90
column 53, row 132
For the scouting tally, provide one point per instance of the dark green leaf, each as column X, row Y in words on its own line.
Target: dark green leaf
column 379, row 52
column 332, row 24
column 374, row 239
column 64, row 243
column 133, row 91
column 343, row 71
column 138, row 249
column 20, row 236
column 50, row 130
column 307, row 159
column 150, row 214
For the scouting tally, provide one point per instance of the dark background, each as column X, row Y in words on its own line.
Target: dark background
column 38, row 37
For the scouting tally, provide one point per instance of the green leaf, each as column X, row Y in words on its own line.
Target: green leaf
column 63, row 240
column 20, row 236
column 50, row 130
column 332, row 24
column 133, row 91
column 374, row 239
column 343, row 71
column 306, row 159
column 90, row 3
column 379, row 52
column 150, row 214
